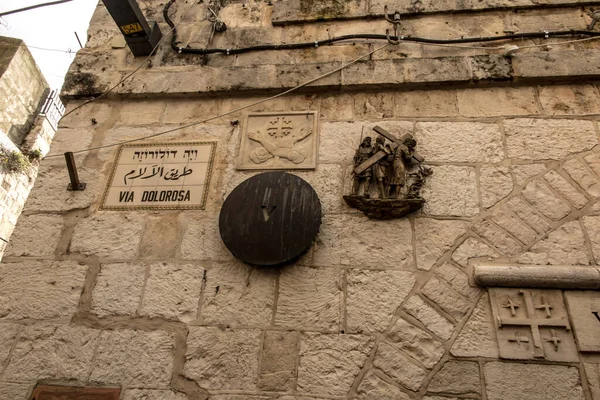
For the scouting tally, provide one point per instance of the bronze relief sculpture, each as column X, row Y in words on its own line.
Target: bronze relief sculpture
column 394, row 167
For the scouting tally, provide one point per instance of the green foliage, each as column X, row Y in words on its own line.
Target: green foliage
column 14, row 161
column 35, row 155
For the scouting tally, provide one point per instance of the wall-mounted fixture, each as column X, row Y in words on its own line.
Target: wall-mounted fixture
column 141, row 35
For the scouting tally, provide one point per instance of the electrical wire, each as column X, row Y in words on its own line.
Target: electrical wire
column 2, row 14
column 173, row 27
column 232, row 111
column 69, row 51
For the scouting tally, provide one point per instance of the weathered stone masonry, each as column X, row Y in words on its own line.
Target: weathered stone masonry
column 154, row 303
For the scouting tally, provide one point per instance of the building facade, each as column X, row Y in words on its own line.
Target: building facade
column 151, row 301
column 25, row 129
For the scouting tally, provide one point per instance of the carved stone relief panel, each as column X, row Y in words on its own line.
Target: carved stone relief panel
column 584, row 308
column 279, row 141
column 532, row 324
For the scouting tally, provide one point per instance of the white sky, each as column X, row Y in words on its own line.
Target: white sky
column 49, row 27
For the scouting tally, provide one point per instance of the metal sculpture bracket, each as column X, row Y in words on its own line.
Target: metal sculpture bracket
column 395, row 169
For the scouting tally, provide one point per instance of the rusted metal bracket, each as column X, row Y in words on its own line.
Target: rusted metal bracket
column 75, row 183
column 394, row 20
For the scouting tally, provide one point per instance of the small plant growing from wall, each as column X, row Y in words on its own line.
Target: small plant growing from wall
column 17, row 162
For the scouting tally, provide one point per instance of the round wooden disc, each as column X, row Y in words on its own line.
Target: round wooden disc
column 270, row 219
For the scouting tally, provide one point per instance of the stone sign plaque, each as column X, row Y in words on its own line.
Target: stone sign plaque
column 279, row 141
column 532, row 324
column 164, row 176
column 584, row 307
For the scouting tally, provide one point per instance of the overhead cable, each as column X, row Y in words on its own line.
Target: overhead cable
column 2, row 14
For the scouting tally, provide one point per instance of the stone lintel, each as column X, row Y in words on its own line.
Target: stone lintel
column 537, row 276
column 406, row 74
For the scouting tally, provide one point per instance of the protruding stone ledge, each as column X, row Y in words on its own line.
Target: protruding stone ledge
column 537, row 276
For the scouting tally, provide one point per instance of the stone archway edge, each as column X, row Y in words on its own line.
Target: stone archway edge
column 537, row 276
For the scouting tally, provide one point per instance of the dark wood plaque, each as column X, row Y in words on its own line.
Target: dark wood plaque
column 74, row 393
column 270, row 219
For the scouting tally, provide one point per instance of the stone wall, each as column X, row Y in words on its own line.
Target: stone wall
column 153, row 302
column 21, row 78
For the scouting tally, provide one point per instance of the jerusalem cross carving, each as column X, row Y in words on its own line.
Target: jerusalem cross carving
column 279, row 141
column 532, row 324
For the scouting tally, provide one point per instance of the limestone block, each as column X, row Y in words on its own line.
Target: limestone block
column 35, row 235
column 472, row 248
column 477, row 338
column 417, row 343
column 543, row 139
column 67, row 139
column 8, row 334
column 451, row 191
column 237, row 294
column 329, row 247
column 373, row 105
column 329, row 363
column 327, row 182
column 592, row 370
column 298, row 11
column 495, row 102
column 338, row 141
column 49, row 192
column 495, row 184
column 457, row 279
column 146, row 394
column 539, row 195
column 434, row 237
column 278, row 361
column 565, row 189
column 337, row 107
column 161, row 237
column 202, row 241
column 40, row 289
column 14, row 391
column 448, row 69
column 309, row 297
column 459, row 142
column 373, row 297
column 368, row 242
column 374, row 74
column 505, row 219
column 564, row 246
column 186, row 111
column 569, row 100
column 172, row 291
column 592, row 226
column 579, row 172
column 425, row 103
column 593, row 160
column 526, row 171
column 498, row 237
column 399, row 367
column 211, row 363
column 456, row 377
column 289, row 76
column 429, row 317
column 132, row 357
column 108, row 235
column 491, row 67
column 52, row 352
column 373, row 387
column 453, row 303
column 118, row 290
column 530, row 216
column 537, row 382
column 567, row 63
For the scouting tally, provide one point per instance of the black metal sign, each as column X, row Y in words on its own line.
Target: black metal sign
column 270, row 219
